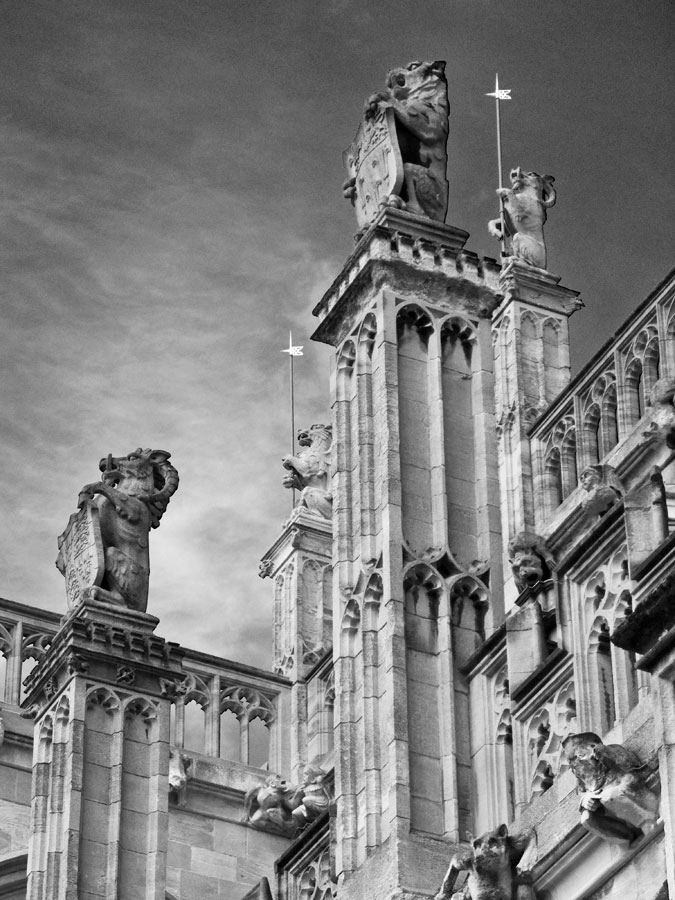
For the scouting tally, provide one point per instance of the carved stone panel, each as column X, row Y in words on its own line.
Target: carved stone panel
column 373, row 160
column 80, row 558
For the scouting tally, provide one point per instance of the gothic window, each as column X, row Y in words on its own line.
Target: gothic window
column 230, row 744
column 195, row 724
column 635, row 394
column 642, row 370
column 609, row 436
column 553, row 480
column 608, row 673
column 591, row 432
column 568, row 461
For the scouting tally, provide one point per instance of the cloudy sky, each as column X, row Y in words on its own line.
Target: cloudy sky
column 171, row 207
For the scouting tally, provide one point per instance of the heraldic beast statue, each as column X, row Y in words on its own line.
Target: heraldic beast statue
column 398, row 157
column 103, row 553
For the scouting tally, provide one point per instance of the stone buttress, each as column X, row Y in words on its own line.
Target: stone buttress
column 417, row 543
column 101, row 702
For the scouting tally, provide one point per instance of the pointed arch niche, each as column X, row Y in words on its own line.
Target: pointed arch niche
column 458, row 349
column 424, row 595
column 414, row 331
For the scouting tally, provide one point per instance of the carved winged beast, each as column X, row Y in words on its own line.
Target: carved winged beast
column 418, row 95
column 310, row 470
column 131, row 497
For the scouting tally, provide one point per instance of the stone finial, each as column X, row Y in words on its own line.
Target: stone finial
column 498, row 865
column 603, row 489
column 398, row 157
column 530, row 560
column 525, row 204
column 616, row 802
column 309, row 470
column 103, row 553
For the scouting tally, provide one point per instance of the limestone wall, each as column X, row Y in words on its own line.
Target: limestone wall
column 212, row 855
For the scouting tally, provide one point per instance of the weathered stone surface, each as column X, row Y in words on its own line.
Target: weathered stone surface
column 310, row 470
column 616, row 802
column 524, row 207
column 398, row 156
column 104, row 550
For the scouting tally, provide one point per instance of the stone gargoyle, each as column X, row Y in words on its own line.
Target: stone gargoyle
column 616, row 802
column 129, row 500
column 498, row 865
column 270, row 805
column 417, row 94
column 530, row 560
column 280, row 806
column 524, row 207
column 309, row 470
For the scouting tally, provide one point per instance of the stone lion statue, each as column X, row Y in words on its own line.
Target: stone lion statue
column 309, row 470
column 616, row 802
column 530, row 560
column 418, row 95
column 525, row 204
column 498, row 865
column 131, row 497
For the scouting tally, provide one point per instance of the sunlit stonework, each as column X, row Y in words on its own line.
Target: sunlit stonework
column 472, row 693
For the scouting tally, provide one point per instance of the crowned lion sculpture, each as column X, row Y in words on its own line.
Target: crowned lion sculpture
column 128, row 501
column 524, row 205
column 309, row 470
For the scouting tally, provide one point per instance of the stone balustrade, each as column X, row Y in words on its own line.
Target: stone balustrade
column 221, row 708
column 597, row 417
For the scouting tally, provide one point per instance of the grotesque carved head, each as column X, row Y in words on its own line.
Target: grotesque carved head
column 663, row 392
column 580, row 751
column 491, row 850
column 530, row 560
column 539, row 185
column 416, row 78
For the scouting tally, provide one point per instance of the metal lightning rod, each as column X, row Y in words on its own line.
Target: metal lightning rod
column 292, row 351
column 500, row 95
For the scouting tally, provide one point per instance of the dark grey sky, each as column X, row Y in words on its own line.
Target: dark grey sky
column 171, row 178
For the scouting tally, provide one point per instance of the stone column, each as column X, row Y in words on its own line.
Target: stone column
column 299, row 563
column 416, row 528
column 101, row 702
column 532, row 366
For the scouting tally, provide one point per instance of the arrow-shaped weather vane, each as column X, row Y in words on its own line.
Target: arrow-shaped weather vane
column 500, row 94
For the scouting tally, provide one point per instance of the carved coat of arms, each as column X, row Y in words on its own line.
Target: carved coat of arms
column 373, row 160
column 81, row 559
